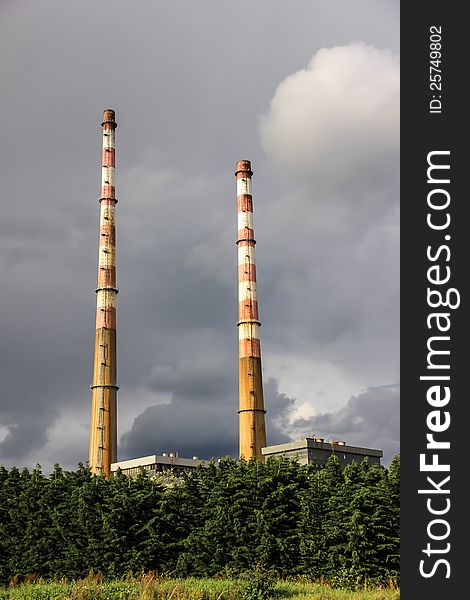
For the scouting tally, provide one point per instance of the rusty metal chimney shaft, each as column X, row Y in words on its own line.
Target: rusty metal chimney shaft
column 252, row 428
column 103, row 429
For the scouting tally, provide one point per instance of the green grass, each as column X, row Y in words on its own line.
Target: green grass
column 153, row 588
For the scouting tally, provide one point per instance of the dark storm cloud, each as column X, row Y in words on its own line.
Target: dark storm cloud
column 200, row 417
column 23, row 433
column 189, row 82
column 370, row 419
column 198, row 423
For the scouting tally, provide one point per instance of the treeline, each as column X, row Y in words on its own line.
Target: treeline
column 342, row 526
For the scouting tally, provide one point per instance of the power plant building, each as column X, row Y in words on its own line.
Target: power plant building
column 154, row 463
column 315, row 451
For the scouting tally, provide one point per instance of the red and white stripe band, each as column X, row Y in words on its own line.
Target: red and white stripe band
column 248, row 323
column 106, row 291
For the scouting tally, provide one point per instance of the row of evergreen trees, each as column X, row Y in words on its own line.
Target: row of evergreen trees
column 338, row 525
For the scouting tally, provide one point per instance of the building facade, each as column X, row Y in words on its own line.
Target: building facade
column 315, row 451
column 153, row 464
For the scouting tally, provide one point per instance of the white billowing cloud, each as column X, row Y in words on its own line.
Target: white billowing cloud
column 338, row 116
column 330, row 316
column 317, row 382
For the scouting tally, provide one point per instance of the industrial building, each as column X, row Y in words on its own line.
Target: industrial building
column 153, row 464
column 315, row 451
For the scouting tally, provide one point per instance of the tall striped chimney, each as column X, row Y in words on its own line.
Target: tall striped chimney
column 252, row 428
column 103, row 429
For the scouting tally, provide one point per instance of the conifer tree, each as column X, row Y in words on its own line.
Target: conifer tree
column 330, row 524
column 9, row 492
column 313, row 550
column 281, row 489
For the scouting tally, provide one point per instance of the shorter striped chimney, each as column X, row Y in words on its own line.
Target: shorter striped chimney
column 252, row 428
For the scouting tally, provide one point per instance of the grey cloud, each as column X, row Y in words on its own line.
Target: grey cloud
column 197, row 424
column 24, row 434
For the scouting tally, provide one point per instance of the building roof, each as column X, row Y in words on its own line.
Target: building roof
column 316, row 443
column 154, row 459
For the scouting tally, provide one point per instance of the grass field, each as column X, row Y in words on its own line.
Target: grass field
column 152, row 588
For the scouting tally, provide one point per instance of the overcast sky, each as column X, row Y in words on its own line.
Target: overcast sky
column 309, row 92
